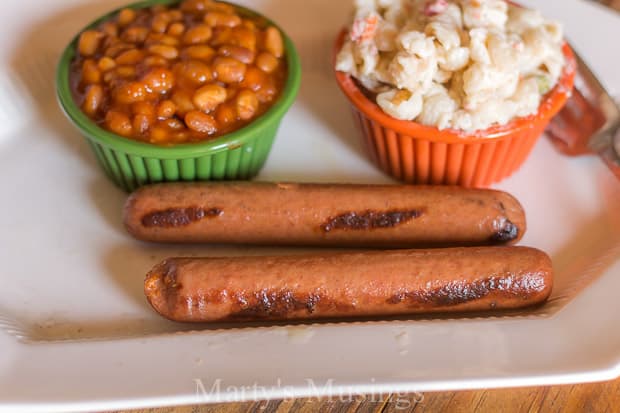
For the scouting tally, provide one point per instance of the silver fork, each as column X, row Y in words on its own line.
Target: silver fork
column 590, row 121
column 14, row 328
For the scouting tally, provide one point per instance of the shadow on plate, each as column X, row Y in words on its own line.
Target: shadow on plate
column 108, row 201
column 319, row 94
column 126, row 266
column 153, row 326
column 593, row 249
column 33, row 66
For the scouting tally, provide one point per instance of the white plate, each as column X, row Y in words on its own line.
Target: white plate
column 70, row 272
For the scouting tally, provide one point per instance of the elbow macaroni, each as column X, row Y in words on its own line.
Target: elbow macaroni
column 458, row 64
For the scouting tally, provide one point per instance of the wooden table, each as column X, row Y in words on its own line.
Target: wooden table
column 592, row 397
column 595, row 397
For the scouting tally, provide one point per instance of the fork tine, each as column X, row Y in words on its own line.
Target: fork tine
column 12, row 327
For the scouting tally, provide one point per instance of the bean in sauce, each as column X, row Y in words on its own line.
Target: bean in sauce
column 178, row 74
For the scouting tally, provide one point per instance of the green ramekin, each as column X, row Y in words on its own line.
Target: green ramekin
column 130, row 164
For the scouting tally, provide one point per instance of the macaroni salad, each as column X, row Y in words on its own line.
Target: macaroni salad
column 457, row 64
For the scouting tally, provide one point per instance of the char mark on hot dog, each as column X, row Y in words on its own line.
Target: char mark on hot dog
column 461, row 292
column 178, row 217
column 506, row 231
column 370, row 219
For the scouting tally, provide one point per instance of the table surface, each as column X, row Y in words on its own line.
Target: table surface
column 591, row 397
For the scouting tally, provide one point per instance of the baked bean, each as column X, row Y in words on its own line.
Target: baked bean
column 244, row 37
column 160, row 22
column 176, row 29
column 211, row 5
column 168, row 74
column 247, row 104
column 117, row 48
column 106, row 63
column 126, row 16
column 202, row 52
column 249, row 24
column 176, row 15
column 158, row 80
column 221, row 37
column 267, row 91
column 266, row 94
column 165, row 51
column 166, row 109
column 118, row 122
column 266, row 62
column 90, row 72
column 141, row 123
column 160, row 38
column 89, row 42
column 194, row 71
column 237, row 52
column 182, row 99
column 129, row 93
column 200, row 122
column 110, row 29
column 226, row 114
column 193, row 6
column 231, row 91
column 130, row 57
column 173, row 123
column 155, row 61
column 158, row 134
column 169, row 40
column 181, row 136
column 197, row 34
column 135, row 34
column 93, row 99
column 254, row 78
column 273, row 42
column 216, row 18
column 110, row 77
column 143, row 108
column 126, row 72
column 208, row 97
column 229, row 70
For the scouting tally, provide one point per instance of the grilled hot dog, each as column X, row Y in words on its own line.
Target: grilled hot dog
column 377, row 283
column 323, row 214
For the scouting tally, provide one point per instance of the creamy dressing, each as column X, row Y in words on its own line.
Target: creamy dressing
column 459, row 64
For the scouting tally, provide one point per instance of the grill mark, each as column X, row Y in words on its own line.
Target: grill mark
column 267, row 304
column 178, row 217
column 459, row 292
column 370, row 219
column 505, row 230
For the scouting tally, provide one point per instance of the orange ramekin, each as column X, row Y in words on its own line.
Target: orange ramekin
column 421, row 154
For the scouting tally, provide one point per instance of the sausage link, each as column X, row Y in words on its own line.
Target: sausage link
column 376, row 283
column 323, row 214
